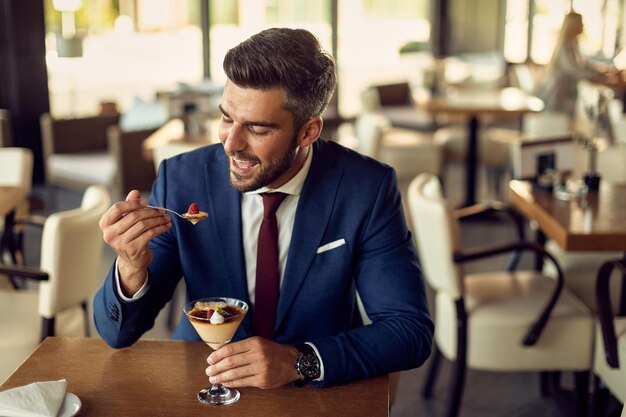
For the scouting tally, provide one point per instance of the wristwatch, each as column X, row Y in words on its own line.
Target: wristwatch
column 307, row 364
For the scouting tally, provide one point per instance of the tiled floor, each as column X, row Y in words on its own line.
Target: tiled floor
column 486, row 394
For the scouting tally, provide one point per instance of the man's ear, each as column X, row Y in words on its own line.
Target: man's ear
column 310, row 131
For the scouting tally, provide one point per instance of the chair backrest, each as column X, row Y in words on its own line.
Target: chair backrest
column 83, row 134
column 134, row 171
column 619, row 130
column 369, row 100
column 16, row 167
column 168, row 150
column 547, row 123
column 612, row 164
column 16, row 170
column 521, row 76
column 437, row 234
column 369, row 128
column 71, row 253
column 397, row 94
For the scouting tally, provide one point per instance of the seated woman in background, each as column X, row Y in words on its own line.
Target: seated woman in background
column 559, row 89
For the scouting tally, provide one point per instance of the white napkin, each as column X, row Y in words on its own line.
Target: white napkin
column 39, row 399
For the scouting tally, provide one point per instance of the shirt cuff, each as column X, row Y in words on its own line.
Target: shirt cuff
column 321, row 378
column 135, row 296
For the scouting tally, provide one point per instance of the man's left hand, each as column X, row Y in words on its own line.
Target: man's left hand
column 253, row 362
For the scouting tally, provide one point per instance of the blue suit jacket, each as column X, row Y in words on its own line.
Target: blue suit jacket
column 345, row 196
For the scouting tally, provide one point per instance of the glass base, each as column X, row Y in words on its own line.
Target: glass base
column 218, row 395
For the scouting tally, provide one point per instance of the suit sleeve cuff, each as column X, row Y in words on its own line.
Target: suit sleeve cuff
column 138, row 294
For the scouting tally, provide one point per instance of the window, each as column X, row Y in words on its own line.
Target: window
column 602, row 20
column 135, row 48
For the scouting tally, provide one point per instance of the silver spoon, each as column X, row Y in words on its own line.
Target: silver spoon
column 191, row 220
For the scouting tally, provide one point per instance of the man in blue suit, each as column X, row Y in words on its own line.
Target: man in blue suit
column 341, row 230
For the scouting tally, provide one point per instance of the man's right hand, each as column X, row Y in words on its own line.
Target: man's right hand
column 127, row 227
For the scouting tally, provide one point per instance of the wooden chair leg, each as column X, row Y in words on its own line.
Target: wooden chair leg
column 600, row 398
column 47, row 327
column 433, row 371
column 582, row 392
column 460, row 364
column 544, row 383
column 549, row 383
column 85, row 308
column 456, row 387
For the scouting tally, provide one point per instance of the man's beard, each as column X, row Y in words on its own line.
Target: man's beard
column 267, row 174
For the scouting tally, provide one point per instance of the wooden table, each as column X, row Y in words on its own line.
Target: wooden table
column 161, row 378
column 598, row 224
column 474, row 104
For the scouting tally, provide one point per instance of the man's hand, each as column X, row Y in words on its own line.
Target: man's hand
column 127, row 227
column 253, row 362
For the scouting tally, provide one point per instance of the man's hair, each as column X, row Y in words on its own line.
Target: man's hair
column 292, row 59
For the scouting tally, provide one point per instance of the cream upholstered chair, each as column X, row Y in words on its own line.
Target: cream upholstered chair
column 610, row 352
column 16, row 170
column 409, row 152
column 395, row 101
column 493, row 156
column 71, row 254
column 494, row 321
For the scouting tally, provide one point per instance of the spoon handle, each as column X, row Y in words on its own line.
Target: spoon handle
column 166, row 209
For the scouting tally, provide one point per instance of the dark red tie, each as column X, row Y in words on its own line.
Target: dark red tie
column 267, row 271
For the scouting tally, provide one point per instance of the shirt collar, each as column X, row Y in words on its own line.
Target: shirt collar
column 294, row 185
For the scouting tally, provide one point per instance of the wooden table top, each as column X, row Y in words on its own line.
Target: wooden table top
column 9, row 198
column 599, row 224
column 481, row 101
column 161, row 378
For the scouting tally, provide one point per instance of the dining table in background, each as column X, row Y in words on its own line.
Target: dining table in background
column 161, row 378
column 473, row 104
column 596, row 223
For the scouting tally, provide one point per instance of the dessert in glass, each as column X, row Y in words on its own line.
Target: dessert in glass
column 216, row 320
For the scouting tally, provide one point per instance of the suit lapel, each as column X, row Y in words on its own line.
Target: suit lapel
column 313, row 213
column 225, row 213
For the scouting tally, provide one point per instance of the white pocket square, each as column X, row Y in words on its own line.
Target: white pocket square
column 331, row 245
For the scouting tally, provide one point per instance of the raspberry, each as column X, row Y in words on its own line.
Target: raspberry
column 203, row 314
column 193, row 209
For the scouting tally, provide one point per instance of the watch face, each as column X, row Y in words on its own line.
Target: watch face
column 308, row 365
